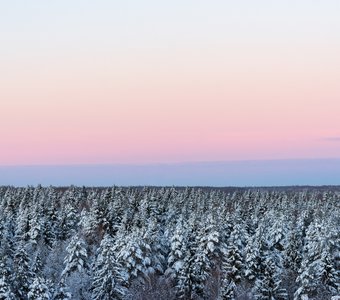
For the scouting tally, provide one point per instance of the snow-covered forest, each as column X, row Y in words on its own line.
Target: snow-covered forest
column 168, row 243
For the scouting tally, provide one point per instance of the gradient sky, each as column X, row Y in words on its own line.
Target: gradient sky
column 139, row 82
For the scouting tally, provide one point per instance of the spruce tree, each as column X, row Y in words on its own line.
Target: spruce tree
column 5, row 290
column 268, row 284
column 76, row 258
column 135, row 256
column 62, row 292
column 108, row 278
column 38, row 290
column 22, row 276
column 176, row 256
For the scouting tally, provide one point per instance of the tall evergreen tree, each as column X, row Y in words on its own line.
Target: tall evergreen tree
column 268, row 284
column 108, row 278
column 22, row 276
column 76, row 258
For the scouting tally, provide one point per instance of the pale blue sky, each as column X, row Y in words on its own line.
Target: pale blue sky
column 237, row 173
column 53, row 25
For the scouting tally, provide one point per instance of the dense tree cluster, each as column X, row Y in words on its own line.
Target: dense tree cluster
column 168, row 243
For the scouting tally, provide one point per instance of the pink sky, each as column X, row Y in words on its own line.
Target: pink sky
column 272, row 92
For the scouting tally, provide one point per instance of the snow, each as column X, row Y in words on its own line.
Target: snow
column 194, row 243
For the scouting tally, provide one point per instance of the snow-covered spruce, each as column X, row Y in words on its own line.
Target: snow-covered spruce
column 108, row 275
column 38, row 290
column 168, row 243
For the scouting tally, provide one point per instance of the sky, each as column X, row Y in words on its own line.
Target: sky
column 168, row 82
column 257, row 173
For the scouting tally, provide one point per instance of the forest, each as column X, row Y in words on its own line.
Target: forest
column 169, row 243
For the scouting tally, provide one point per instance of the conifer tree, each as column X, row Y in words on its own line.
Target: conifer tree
column 108, row 275
column 186, row 280
column 293, row 251
column 76, row 258
column 35, row 226
column 62, row 292
column 21, row 276
column 38, row 290
column 227, row 289
column 177, row 253
column 22, row 225
column 67, row 221
column 268, row 284
column 135, row 257
column 252, row 258
column 232, row 263
column 308, row 278
column 5, row 290
column 326, row 272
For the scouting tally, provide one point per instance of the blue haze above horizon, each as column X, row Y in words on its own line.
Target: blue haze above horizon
column 218, row 174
